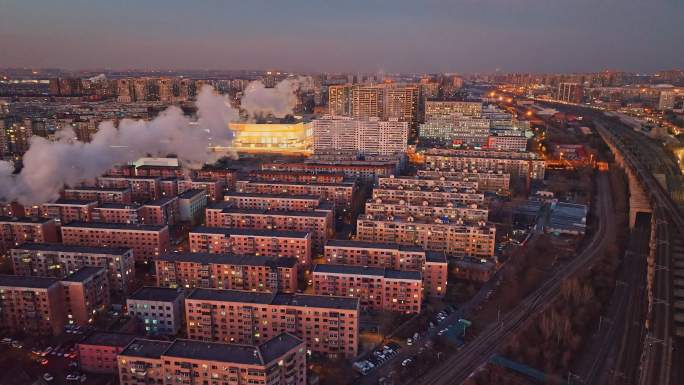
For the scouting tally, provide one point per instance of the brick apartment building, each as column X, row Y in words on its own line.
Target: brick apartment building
column 432, row 265
column 58, row 260
column 157, row 310
column 517, row 164
column 122, row 195
column 64, row 211
column 143, row 188
column 440, row 234
column 489, row 181
column 98, row 351
column 227, row 271
column 213, row 188
column 162, row 211
column 328, row 325
column 271, row 243
column 147, row 241
column 276, row 202
column 419, row 195
column 297, row 176
column 377, row 288
column 339, row 193
column 32, row 305
column 318, row 223
column 86, row 295
column 16, row 231
column 453, row 211
column 117, row 213
column 281, row 360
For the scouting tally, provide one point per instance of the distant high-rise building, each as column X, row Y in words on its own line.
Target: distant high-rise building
column 367, row 101
column 123, row 91
column 570, row 93
column 165, row 92
column 401, row 103
column 339, row 100
column 666, row 100
column 140, row 90
column 363, row 136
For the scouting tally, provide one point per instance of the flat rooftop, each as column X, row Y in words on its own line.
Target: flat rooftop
column 119, row 206
column 443, row 220
column 229, row 259
column 272, row 196
column 283, row 213
column 83, row 274
column 435, row 257
column 71, row 202
column 100, row 189
column 132, row 177
column 160, row 202
column 365, row 270
column 250, row 232
column 26, row 220
column 304, row 300
column 371, row 245
column 103, row 338
column 144, row 348
column 115, row 226
column 59, row 247
column 344, row 183
column 153, row 293
column 193, row 192
column 7, row 280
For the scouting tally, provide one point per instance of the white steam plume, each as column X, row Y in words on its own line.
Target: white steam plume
column 49, row 166
column 277, row 101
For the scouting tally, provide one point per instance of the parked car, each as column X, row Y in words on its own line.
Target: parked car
column 48, row 377
column 409, row 341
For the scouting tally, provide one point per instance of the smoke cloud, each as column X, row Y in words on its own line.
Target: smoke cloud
column 278, row 101
column 49, row 166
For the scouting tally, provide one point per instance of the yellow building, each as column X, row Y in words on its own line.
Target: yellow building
column 287, row 138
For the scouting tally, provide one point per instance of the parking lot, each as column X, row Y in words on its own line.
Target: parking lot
column 47, row 362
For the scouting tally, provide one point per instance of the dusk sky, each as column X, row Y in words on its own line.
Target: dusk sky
column 349, row 35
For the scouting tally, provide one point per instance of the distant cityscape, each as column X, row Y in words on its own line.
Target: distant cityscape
column 266, row 227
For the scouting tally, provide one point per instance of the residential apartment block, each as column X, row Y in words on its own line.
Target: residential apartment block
column 98, row 351
column 33, row 305
column 86, row 295
column 227, row 271
column 432, row 265
column 328, row 325
column 147, row 241
column 497, row 182
column 440, row 234
column 418, row 195
column 58, row 260
column 318, row 223
column 157, row 310
column 339, row 193
column 240, row 241
column 122, row 195
column 276, row 202
column 16, row 231
column 517, row 164
column 453, row 211
column 281, row 360
column 361, row 136
column 377, row 288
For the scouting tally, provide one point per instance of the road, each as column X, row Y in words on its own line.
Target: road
column 477, row 353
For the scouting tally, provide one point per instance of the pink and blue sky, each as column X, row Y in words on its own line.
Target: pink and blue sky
column 345, row 35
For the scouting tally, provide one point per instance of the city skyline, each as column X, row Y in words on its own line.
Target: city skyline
column 466, row 36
